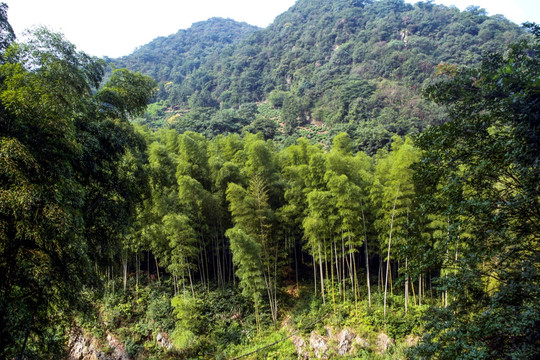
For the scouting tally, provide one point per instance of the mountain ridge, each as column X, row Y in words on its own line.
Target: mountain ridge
column 356, row 66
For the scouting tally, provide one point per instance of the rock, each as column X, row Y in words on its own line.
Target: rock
column 383, row 343
column 118, row 349
column 83, row 347
column 78, row 349
column 163, row 340
column 300, row 346
column 318, row 344
column 344, row 340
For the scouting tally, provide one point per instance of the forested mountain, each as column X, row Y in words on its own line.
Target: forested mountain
column 328, row 66
column 175, row 57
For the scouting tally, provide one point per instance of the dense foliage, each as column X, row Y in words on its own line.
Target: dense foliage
column 216, row 246
column 482, row 177
column 69, row 158
column 327, row 66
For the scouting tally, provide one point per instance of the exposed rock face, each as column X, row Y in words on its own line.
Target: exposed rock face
column 83, row 348
column 383, row 343
column 118, row 352
column 163, row 340
column 301, row 347
column 318, row 344
column 344, row 339
column 340, row 343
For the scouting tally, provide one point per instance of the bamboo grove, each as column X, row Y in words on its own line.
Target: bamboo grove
column 241, row 207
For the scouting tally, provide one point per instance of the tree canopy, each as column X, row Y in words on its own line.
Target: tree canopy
column 69, row 159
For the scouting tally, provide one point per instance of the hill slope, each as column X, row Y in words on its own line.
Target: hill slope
column 344, row 65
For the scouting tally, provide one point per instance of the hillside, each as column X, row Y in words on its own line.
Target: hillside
column 354, row 66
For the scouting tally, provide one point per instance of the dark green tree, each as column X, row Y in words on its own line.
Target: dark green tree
column 65, row 165
column 7, row 35
column 481, row 172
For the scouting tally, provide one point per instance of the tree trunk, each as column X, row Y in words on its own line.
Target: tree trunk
column 332, row 277
column 191, row 282
column 420, row 290
column 367, row 258
column 27, row 333
column 125, row 268
column 338, row 272
column 315, row 275
column 413, row 292
column 201, row 267
column 322, row 277
column 343, row 277
column 406, row 286
column 354, row 278
column 388, row 255
column 207, row 271
column 137, row 265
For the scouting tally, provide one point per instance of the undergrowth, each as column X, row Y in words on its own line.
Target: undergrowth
column 220, row 324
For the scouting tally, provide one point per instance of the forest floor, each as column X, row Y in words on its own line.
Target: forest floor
column 150, row 322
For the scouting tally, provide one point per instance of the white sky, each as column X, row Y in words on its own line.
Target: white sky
column 116, row 27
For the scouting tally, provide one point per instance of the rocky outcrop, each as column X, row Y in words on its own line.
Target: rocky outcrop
column 361, row 343
column 118, row 348
column 318, row 344
column 163, row 340
column 383, row 343
column 335, row 343
column 301, row 347
column 345, row 339
column 85, row 347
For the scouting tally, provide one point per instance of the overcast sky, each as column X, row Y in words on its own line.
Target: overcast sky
column 116, row 27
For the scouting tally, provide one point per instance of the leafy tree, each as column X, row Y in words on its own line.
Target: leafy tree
column 182, row 249
column 252, row 214
column 67, row 165
column 393, row 192
column 7, row 35
column 247, row 258
column 482, row 165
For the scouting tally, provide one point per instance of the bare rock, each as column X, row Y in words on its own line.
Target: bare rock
column 118, row 349
column 344, row 340
column 79, row 348
column 383, row 343
column 163, row 340
column 300, row 345
column 318, row 344
column 85, row 347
